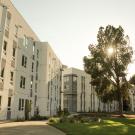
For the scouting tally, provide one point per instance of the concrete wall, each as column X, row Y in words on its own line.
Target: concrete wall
column 50, row 81
column 8, row 34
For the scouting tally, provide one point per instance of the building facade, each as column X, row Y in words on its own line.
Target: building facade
column 33, row 79
column 30, row 72
column 79, row 95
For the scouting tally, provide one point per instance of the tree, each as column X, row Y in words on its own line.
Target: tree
column 132, row 80
column 108, row 63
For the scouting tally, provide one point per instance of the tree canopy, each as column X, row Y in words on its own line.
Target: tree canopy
column 108, row 62
column 132, row 79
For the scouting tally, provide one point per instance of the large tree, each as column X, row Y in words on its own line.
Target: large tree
column 108, row 62
column 132, row 80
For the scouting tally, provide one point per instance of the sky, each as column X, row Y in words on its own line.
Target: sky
column 71, row 25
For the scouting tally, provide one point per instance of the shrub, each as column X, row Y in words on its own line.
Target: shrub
column 38, row 117
column 54, row 120
column 19, row 120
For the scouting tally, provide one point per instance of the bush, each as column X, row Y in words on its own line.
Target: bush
column 19, row 120
column 54, row 120
column 63, row 119
column 38, row 117
column 61, row 113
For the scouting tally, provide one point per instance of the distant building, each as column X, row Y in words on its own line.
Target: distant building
column 79, row 95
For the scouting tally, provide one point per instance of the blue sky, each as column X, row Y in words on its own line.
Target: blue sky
column 71, row 25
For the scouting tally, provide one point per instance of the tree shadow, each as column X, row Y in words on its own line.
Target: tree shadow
column 113, row 126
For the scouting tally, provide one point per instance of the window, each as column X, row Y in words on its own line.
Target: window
column 19, row 104
column 31, row 78
column 37, row 53
column 35, row 87
column 30, row 92
column 14, row 48
column 22, row 104
column 74, row 82
column 74, row 78
column 16, row 30
column 9, row 101
column 66, row 78
column 36, row 76
column 2, row 72
column 83, row 83
column 35, row 100
column 8, row 19
column 37, row 64
column 14, row 52
column 31, row 81
column 0, row 101
column 24, row 61
column 5, row 47
column 32, row 67
column 25, row 41
column 33, row 57
column 33, row 48
column 22, row 82
column 11, row 75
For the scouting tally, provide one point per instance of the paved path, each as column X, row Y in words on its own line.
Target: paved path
column 28, row 128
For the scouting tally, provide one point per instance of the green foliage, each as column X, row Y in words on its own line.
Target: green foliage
column 38, row 117
column 115, row 126
column 132, row 80
column 53, row 120
column 108, row 70
column 62, row 113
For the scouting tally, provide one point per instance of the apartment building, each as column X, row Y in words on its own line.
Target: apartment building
column 33, row 79
column 30, row 72
column 50, row 84
column 79, row 95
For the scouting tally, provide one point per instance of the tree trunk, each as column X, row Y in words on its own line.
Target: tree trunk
column 121, row 105
column 99, row 105
column 120, row 99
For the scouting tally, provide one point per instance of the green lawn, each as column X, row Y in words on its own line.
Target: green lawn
column 113, row 126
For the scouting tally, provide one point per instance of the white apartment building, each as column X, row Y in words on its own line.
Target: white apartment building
column 30, row 72
column 50, row 83
column 78, row 95
column 32, row 78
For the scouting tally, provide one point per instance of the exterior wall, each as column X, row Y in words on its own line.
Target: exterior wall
column 41, row 76
column 87, row 99
column 50, row 84
column 13, row 30
column 82, row 92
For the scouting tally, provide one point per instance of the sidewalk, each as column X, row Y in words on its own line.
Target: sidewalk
column 5, row 121
column 28, row 128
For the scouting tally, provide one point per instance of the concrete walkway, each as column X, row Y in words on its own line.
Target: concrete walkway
column 28, row 128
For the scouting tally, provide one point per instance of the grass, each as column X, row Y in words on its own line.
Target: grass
column 110, row 126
